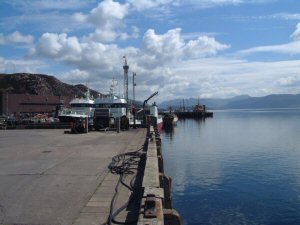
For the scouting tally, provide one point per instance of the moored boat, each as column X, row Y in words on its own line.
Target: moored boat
column 80, row 108
column 159, row 119
column 169, row 120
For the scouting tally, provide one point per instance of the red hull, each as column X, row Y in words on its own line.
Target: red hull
column 159, row 126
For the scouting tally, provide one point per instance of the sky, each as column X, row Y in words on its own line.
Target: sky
column 180, row 48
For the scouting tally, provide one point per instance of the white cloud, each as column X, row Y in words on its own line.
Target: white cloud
column 292, row 47
column 16, row 38
column 157, row 50
column 221, row 77
column 83, row 55
column 147, row 4
column 170, row 47
column 289, row 48
column 58, row 46
column 107, row 17
column 289, row 80
column 204, row 46
column 202, row 4
column 98, row 61
column 75, row 76
column 296, row 34
column 20, row 66
column 286, row 16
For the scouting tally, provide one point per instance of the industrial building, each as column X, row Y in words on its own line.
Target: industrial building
column 18, row 104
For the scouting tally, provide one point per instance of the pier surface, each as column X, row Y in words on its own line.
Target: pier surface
column 48, row 177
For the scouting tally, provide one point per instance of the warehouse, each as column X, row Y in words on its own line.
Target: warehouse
column 19, row 104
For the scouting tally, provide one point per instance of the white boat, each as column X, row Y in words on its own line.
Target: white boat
column 80, row 108
column 110, row 107
column 154, row 112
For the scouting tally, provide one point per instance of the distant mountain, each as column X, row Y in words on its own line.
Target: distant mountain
column 212, row 103
column 270, row 101
column 239, row 102
column 40, row 84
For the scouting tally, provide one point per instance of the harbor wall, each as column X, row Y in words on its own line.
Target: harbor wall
column 156, row 204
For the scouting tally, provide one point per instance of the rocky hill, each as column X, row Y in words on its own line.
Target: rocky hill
column 40, row 84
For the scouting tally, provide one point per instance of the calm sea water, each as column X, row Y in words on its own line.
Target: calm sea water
column 240, row 167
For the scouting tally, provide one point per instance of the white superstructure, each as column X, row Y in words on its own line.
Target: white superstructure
column 79, row 108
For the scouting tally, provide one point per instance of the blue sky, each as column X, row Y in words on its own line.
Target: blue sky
column 181, row 48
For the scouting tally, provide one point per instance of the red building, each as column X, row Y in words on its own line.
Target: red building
column 17, row 104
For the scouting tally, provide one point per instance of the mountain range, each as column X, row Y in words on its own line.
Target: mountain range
column 239, row 102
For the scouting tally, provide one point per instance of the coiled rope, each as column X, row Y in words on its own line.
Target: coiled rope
column 123, row 165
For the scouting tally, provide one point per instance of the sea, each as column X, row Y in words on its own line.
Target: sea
column 241, row 167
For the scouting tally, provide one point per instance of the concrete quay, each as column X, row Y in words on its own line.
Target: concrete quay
column 51, row 178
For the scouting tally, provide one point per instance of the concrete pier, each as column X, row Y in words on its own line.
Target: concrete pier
column 48, row 177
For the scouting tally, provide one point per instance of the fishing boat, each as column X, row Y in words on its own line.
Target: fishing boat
column 154, row 113
column 109, row 108
column 80, row 108
column 169, row 120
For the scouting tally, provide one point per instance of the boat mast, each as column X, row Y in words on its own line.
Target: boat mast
column 133, row 86
column 126, row 68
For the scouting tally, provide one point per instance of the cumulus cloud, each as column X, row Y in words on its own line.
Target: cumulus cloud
column 170, row 47
column 157, row 50
column 107, row 17
column 204, row 46
column 16, row 38
column 99, row 61
column 58, row 46
column 84, row 55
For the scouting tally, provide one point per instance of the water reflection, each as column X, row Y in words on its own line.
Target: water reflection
column 237, row 168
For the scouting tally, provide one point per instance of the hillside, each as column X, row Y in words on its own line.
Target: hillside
column 211, row 103
column 270, row 101
column 240, row 102
column 40, row 84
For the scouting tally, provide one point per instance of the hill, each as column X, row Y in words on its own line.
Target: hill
column 40, row 84
column 240, row 102
column 270, row 101
column 211, row 103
